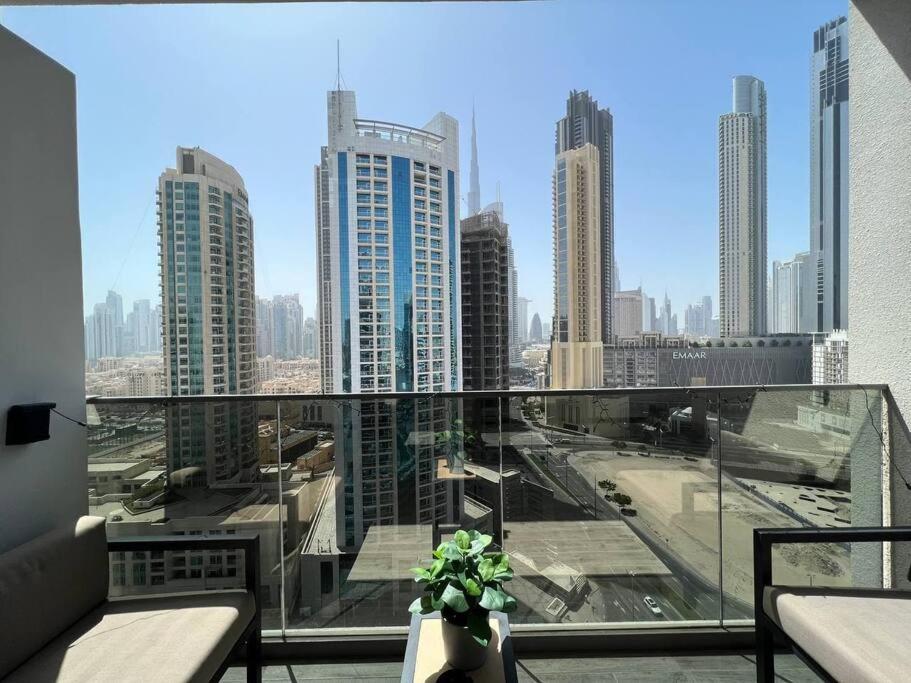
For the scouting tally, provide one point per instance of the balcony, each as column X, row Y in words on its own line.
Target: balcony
column 602, row 499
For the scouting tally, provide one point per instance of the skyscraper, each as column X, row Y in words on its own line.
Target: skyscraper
column 667, row 321
column 697, row 321
column 485, row 302
column 143, row 327
column 576, row 349
column 311, row 345
column 515, row 354
column 535, row 332
column 115, row 306
column 264, row 331
column 389, row 259
column 829, row 176
column 287, row 326
column 789, row 286
column 628, row 313
column 388, row 263
column 693, row 321
column 89, row 338
column 206, row 263
column 707, row 314
column 649, row 319
column 474, row 191
column 742, row 211
column 103, row 333
column 522, row 319
column 584, row 124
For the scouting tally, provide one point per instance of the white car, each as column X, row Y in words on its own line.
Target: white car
column 652, row 605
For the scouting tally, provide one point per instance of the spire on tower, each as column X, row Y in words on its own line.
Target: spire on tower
column 474, row 191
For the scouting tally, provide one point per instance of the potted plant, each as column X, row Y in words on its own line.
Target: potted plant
column 465, row 584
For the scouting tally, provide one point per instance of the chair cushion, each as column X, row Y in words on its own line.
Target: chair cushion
column 858, row 635
column 47, row 585
column 162, row 639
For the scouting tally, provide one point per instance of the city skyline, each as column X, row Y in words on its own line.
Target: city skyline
column 284, row 237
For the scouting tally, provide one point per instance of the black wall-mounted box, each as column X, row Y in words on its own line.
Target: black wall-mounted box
column 28, row 423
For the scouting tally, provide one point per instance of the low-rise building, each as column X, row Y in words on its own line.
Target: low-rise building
column 654, row 360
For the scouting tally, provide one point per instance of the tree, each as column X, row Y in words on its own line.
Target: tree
column 607, row 485
column 733, row 345
column 622, row 499
column 747, row 343
column 760, row 343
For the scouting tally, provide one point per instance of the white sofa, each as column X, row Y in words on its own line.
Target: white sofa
column 57, row 623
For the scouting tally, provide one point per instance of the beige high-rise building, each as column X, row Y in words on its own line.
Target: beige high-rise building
column 742, row 211
column 576, row 348
column 627, row 313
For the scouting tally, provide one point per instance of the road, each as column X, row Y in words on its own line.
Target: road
column 693, row 596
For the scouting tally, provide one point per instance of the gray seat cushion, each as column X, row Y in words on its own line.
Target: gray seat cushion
column 858, row 635
column 48, row 584
column 162, row 639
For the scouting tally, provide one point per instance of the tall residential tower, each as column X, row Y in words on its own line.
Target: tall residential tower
column 829, row 177
column 742, row 211
column 586, row 124
column 485, row 302
column 208, row 313
column 388, row 303
column 789, row 286
column 576, row 346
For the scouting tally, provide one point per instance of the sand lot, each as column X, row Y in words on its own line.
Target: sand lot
column 677, row 502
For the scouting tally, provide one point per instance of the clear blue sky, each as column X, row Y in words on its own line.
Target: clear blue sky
column 248, row 84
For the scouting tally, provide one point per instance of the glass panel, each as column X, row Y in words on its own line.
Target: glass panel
column 799, row 458
column 608, row 502
column 194, row 469
column 611, row 512
column 387, row 480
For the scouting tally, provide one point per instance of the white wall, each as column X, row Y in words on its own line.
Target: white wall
column 41, row 335
column 879, row 305
column 880, row 210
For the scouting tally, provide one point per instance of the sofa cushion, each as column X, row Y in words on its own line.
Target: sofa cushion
column 857, row 635
column 162, row 639
column 48, row 584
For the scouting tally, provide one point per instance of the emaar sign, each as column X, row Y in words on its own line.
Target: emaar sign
column 688, row 355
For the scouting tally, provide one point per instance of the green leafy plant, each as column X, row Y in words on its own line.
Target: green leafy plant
column 465, row 584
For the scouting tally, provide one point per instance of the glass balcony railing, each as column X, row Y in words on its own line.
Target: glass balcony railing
column 618, row 507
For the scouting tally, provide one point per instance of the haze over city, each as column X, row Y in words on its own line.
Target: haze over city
column 251, row 87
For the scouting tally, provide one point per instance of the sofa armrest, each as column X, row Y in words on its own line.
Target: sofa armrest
column 249, row 543
column 764, row 539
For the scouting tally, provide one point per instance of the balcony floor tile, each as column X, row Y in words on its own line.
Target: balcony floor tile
column 720, row 668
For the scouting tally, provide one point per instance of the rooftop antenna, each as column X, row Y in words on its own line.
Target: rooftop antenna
column 339, row 81
column 338, row 64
